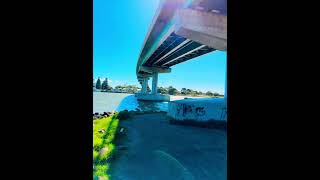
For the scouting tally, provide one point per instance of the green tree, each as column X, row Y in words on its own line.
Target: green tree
column 98, row 84
column 189, row 91
column 195, row 92
column 216, row 94
column 105, row 85
column 172, row 90
column 199, row 93
column 162, row 90
column 209, row 93
column 183, row 91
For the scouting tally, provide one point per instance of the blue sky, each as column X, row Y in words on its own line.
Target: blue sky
column 119, row 30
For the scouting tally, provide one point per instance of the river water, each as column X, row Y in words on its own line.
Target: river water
column 107, row 102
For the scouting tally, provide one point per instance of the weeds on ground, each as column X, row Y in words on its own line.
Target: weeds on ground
column 100, row 170
column 104, row 131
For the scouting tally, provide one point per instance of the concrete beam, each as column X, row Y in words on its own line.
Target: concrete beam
column 212, row 5
column 155, row 69
column 202, row 46
column 153, row 97
column 174, row 49
column 140, row 76
column 164, row 13
column 204, row 27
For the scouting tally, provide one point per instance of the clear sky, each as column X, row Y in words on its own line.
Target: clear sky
column 119, row 30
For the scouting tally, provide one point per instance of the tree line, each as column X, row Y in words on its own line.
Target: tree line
column 184, row 91
column 104, row 86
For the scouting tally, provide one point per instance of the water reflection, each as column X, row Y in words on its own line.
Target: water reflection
column 152, row 106
column 131, row 103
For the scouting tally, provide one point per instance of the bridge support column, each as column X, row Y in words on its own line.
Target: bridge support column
column 153, row 96
column 144, row 85
column 154, row 83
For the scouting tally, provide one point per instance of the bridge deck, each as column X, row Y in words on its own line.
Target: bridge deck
column 170, row 40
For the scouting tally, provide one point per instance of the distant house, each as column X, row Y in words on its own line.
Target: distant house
column 117, row 90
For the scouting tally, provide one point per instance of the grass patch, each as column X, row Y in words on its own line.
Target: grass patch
column 95, row 155
column 97, row 142
column 104, row 131
column 101, row 170
column 106, row 155
column 111, row 131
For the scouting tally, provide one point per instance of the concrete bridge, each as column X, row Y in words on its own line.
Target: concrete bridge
column 181, row 30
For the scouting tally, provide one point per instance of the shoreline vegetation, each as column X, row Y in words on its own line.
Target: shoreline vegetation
column 132, row 89
column 105, row 129
column 182, row 95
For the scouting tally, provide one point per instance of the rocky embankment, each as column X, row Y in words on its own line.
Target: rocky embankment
column 102, row 115
column 97, row 115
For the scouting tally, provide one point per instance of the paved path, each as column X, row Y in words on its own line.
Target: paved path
column 157, row 150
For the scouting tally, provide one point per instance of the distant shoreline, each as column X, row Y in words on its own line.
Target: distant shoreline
column 178, row 95
column 114, row 92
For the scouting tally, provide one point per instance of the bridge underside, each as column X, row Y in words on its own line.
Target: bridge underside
column 174, row 50
column 180, row 31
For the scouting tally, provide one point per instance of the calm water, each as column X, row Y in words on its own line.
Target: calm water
column 106, row 102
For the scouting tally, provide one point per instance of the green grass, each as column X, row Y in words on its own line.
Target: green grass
column 97, row 142
column 104, row 131
column 103, row 157
column 95, row 155
column 101, row 170
column 112, row 131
